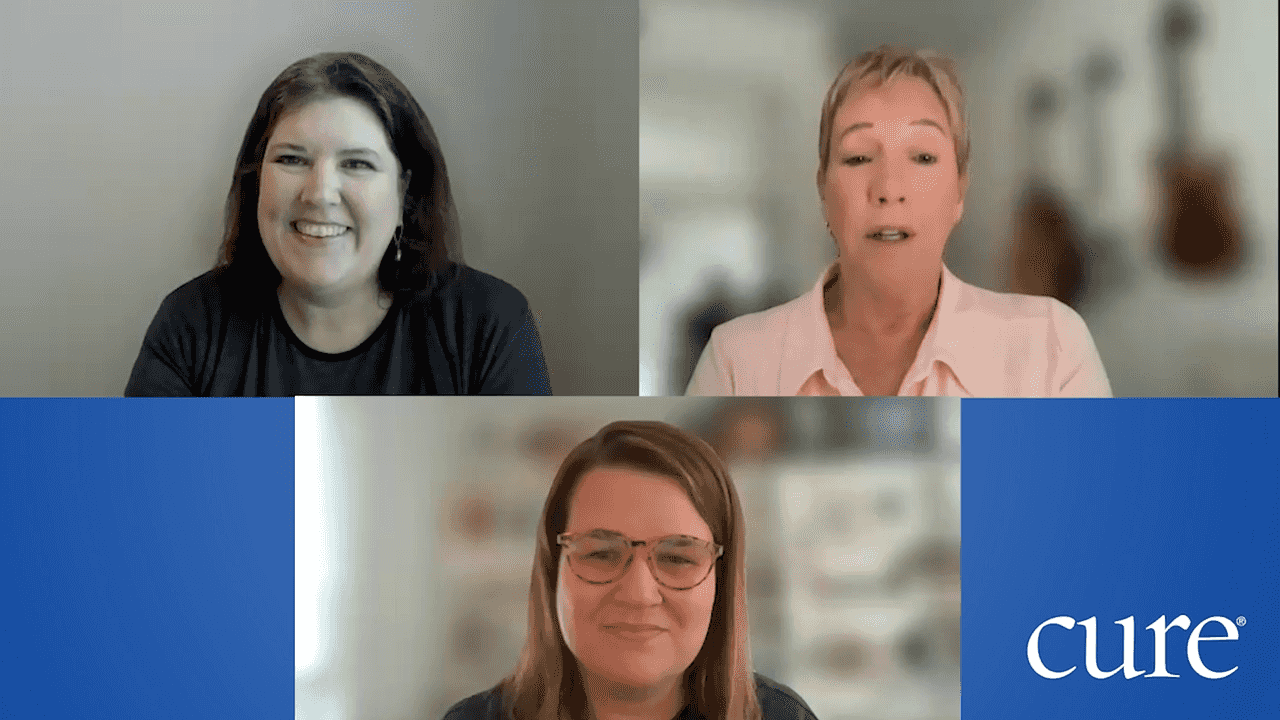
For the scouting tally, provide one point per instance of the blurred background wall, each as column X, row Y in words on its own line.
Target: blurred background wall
column 730, row 96
column 416, row 522
column 121, row 119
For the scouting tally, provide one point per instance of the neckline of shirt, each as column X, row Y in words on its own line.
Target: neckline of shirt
column 933, row 348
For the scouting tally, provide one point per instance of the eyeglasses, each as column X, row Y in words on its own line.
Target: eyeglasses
column 679, row 562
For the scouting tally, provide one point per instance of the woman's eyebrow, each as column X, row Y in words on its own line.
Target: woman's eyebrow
column 344, row 151
column 921, row 121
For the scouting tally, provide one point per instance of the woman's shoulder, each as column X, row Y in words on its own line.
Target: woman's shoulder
column 1041, row 340
column 208, row 295
column 779, row 702
column 1007, row 305
column 743, row 355
column 205, row 286
column 472, row 289
column 1051, row 314
column 485, row 705
column 754, row 327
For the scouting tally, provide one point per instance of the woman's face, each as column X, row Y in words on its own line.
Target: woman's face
column 892, row 163
column 329, row 161
column 641, row 506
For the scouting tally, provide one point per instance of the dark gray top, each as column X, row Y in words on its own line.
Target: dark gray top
column 470, row 334
column 777, row 702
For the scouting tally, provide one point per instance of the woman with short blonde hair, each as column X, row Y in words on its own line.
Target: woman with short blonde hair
column 888, row 317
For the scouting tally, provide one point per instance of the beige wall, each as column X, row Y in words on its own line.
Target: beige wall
column 120, row 122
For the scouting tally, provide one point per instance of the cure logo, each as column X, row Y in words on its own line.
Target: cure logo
column 1159, row 628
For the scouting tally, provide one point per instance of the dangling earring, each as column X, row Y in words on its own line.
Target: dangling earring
column 397, row 241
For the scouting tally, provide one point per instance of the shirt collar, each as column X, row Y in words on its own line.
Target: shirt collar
column 951, row 340
column 948, row 338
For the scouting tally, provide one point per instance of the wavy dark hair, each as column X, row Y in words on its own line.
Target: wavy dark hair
column 429, row 241
column 546, row 683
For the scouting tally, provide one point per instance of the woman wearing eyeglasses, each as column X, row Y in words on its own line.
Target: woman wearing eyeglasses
column 637, row 601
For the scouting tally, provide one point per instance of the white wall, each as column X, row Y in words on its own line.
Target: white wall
column 729, row 100
column 374, row 477
column 121, row 119
column 1162, row 337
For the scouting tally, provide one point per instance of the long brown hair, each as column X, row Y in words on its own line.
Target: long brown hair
column 430, row 237
column 546, row 683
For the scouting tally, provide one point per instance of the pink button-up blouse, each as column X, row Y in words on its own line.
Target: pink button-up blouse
column 979, row 344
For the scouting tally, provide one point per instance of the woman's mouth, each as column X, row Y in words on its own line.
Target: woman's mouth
column 318, row 230
column 894, row 236
column 634, row 634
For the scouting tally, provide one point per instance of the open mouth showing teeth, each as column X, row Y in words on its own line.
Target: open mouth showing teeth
column 895, row 235
column 319, row 231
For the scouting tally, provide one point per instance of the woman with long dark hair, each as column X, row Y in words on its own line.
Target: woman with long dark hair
column 339, row 271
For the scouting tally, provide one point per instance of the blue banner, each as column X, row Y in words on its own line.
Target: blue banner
column 1121, row 559
column 147, row 558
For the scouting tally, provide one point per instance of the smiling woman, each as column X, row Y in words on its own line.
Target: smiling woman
column 888, row 317
column 637, row 600
column 340, row 272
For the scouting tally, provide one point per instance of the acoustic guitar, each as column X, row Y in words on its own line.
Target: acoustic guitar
column 1047, row 258
column 1198, row 231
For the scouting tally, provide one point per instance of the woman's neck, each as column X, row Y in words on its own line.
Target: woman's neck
column 336, row 322
column 893, row 305
column 617, row 701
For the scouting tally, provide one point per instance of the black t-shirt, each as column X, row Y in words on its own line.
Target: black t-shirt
column 777, row 702
column 470, row 334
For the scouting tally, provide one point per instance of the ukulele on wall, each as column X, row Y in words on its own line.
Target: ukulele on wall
column 1047, row 258
column 1198, row 232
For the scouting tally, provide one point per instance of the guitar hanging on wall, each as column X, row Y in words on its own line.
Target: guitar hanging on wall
column 1198, row 232
column 1047, row 258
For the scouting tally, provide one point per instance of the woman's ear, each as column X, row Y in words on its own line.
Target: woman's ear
column 822, row 201
column 404, row 184
column 964, row 189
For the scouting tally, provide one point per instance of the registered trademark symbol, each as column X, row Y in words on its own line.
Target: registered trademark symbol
column 1240, row 621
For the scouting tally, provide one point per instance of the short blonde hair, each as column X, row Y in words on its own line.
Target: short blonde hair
column 877, row 67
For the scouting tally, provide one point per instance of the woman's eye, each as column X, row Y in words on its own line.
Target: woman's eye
column 859, row 159
column 288, row 160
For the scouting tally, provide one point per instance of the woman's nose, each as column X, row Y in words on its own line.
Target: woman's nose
column 888, row 192
column 322, row 186
column 638, row 585
column 888, row 188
